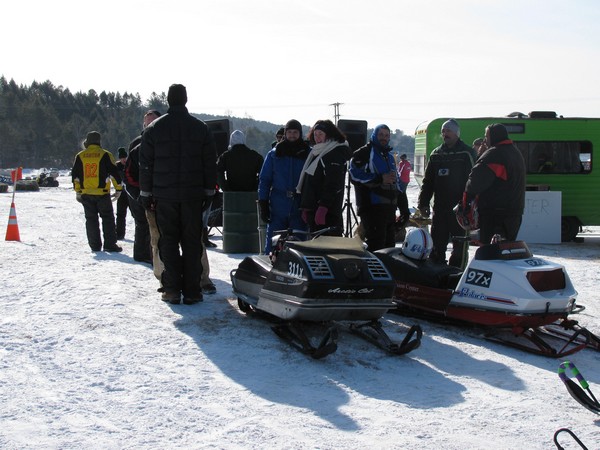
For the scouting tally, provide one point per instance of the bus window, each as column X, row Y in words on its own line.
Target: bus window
column 556, row 157
column 419, row 165
column 586, row 161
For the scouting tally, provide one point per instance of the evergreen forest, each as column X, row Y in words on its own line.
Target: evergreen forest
column 43, row 125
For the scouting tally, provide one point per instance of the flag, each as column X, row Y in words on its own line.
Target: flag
column 16, row 174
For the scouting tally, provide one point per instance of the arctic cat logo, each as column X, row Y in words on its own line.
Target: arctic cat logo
column 350, row 291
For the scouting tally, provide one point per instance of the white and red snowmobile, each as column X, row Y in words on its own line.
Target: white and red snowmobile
column 325, row 281
column 521, row 300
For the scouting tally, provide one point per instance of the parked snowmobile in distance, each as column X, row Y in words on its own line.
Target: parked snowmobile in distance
column 521, row 300
column 326, row 281
column 47, row 179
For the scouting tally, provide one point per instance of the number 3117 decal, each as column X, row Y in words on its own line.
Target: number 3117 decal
column 295, row 270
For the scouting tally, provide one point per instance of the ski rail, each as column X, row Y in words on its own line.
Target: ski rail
column 566, row 430
column 588, row 400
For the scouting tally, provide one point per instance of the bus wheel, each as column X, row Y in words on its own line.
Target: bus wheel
column 569, row 227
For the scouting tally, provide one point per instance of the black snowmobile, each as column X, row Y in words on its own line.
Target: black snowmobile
column 326, row 281
column 47, row 179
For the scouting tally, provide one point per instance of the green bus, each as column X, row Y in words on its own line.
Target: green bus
column 558, row 154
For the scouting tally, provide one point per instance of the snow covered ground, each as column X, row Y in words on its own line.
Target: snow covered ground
column 91, row 358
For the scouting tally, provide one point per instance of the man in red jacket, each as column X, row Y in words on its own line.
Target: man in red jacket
column 498, row 180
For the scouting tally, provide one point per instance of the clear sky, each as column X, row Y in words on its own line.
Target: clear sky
column 397, row 62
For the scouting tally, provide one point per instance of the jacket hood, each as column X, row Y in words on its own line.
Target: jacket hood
column 375, row 141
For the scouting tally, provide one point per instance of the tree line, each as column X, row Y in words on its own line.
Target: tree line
column 43, row 125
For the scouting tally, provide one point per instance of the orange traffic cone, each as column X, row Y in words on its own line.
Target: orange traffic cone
column 12, row 231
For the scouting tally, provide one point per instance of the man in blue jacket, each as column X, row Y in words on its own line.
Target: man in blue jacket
column 279, row 204
column 376, row 185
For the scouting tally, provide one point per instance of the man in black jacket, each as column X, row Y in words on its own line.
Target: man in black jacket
column 122, row 202
column 498, row 180
column 178, row 178
column 238, row 167
column 445, row 177
column 143, row 250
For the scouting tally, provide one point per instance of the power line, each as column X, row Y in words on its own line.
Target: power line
column 336, row 111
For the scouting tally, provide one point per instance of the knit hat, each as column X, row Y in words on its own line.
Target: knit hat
column 93, row 138
column 237, row 137
column 177, row 95
column 280, row 132
column 452, row 125
column 498, row 133
column 122, row 152
column 294, row 125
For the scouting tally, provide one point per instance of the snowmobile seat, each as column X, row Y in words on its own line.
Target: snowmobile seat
column 424, row 272
column 328, row 244
column 503, row 250
column 255, row 266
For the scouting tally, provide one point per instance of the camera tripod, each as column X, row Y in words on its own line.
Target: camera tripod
column 351, row 219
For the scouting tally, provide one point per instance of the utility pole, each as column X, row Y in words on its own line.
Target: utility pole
column 336, row 111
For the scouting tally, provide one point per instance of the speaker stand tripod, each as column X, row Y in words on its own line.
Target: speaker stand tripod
column 351, row 219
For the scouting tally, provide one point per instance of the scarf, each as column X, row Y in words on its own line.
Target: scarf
column 314, row 157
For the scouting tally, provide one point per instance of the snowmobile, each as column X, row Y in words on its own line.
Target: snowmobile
column 324, row 281
column 519, row 299
column 47, row 179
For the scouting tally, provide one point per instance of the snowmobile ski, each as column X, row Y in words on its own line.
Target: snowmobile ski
column 569, row 329
column 294, row 334
column 374, row 333
column 573, row 435
column 587, row 400
column 540, row 342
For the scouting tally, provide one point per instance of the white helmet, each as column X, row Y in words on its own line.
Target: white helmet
column 417, row 244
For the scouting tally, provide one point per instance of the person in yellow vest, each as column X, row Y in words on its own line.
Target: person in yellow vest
column 93, row 170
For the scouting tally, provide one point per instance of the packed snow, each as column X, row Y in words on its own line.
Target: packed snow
column 92, row 358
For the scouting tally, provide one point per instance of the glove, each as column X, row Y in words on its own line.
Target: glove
column 116, row 196
column 78, row 197
column 320, row 215
column 305, row 213
column 265, row 212
column 147, row 202
column 402, row 220
column 424, row 211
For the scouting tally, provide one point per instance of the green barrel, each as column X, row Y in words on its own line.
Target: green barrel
column 240, row 223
